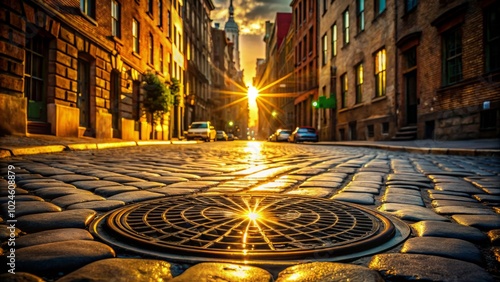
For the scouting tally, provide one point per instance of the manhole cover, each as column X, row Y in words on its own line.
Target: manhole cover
column 249, row 228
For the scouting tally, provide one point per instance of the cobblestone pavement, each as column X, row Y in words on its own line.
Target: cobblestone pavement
column 451, row 203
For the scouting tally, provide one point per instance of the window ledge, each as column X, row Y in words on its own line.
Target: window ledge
column 379, row 15
column 136, row 55
column 408, row 13
column 116, row 39
column 361, row 32
column 357, row 106
column 88, row 18
column 377, row 99
column 490, row 77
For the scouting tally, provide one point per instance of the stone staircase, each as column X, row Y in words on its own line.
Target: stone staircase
column 406, row 133
column 36, row 127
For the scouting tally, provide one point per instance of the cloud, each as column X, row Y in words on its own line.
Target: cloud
column 250, row 15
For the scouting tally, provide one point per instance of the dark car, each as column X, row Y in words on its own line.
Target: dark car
column 304, row 133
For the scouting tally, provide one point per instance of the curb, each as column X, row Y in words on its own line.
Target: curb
column 423, row 150
column 34, row 150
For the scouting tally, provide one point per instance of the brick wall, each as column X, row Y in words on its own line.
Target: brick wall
column 455, row 109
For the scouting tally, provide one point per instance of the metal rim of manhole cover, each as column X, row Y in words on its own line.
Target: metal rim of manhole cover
column 257, row 229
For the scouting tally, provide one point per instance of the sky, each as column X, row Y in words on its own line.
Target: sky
column 251, row 17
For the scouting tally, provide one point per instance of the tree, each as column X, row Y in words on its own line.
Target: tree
column 174, row 90
column 157, row 99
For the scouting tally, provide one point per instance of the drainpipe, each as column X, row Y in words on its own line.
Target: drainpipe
column 396, row 81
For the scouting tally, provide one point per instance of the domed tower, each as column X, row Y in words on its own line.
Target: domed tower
column 233, row 33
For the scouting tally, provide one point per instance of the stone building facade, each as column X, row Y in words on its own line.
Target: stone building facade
column 358, row 68
column 198, row 42
column 73, row 68
column 449, row 68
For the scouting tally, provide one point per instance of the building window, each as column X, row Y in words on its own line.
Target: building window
column 169, row 22
column 359, row 83
column 334, row 40
column 135, row 35
column 136, row 100
column 169, row 64
column 410, row 5
column 361, row 15
column 115, row 19
column 161, row 58
column 452, row 56
column 115, row 99
column 343, row 90
column 324, row 42
column 385, row 128
column 304, row 55
column 311, row 40
column 492, row 38
column 345, row 22
column 149, row 7
column 325, row 6
column 160, row 13
column 379, row 7
column 88, row 7
column 175, row 35
column 380, row 76
column 151, row 49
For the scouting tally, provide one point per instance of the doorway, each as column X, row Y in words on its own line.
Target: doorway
column 35, row 76
column 83, row 101
column 411, row 96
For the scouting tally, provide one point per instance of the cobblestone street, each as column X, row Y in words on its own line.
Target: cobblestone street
column 451, row 205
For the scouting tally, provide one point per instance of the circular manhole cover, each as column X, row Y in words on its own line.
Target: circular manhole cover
column 249, row 228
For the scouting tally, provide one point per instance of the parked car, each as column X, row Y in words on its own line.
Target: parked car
column 303, row 133
column 281, row 135
column 231, row 137
column 201, row 130
column 221, row 135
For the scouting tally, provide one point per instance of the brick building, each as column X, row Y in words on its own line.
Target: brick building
column 73, row 68
column 449, row 68
column 358, row 68
column 306, row 24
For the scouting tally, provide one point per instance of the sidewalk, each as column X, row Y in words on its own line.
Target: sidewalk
column 39, row 144
column 475, row 147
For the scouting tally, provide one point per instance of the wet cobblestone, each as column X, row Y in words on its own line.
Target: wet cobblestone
column 451, row 202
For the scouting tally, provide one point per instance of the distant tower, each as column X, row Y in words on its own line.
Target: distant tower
column 233, row 33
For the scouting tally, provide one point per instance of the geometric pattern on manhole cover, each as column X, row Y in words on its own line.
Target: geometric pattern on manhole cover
column 246, row 227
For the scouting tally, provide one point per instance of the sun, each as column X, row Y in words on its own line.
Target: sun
column 252, row 93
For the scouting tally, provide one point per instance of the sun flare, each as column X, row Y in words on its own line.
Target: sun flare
column 253, row 93
column 253, row 215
